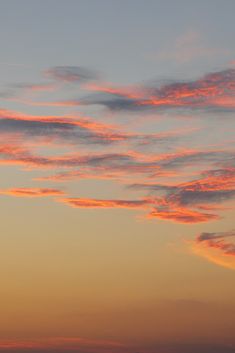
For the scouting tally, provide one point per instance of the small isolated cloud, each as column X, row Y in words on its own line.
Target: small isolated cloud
column 71, row 74
column 32, row 192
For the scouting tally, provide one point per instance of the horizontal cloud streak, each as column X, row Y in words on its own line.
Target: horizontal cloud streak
column 214, row 91
column 95, row 203
column 182, row 215
column 75, row 130
column 32, row 192
column 71, row 74
column 178, row 202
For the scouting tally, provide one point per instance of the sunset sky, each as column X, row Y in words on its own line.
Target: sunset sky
column 117, row 186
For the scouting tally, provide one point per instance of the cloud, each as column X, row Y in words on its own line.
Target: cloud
column 95, row 203
column 182, row 215
column 108, row 152
column 128, row 163
column 187, row 202
column 216, row 247
column 216, row 241
column 212, row 92
column 15, row 155
column 183, row 202
column 150, row 165
column 100, row 174
column 191, row 157
column 75, row 130
column 71, row 74
column 32, row 192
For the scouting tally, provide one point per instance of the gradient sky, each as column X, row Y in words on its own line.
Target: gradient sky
column 117, row 180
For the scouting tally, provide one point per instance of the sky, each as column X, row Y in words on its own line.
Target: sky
column 117, row 183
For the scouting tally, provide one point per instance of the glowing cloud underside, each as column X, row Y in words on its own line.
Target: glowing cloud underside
column 172, row 179
column 216, row 247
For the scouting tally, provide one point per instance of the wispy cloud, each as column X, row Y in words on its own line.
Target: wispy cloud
column 75, row 130
column 70, row 130
column 71, row 74
column 32, row 192
column 217, row 247
column 212, row 92
column 198, row 183
column 150, row 165
column 95, row 203
column 216, row 240
column 181, row 215
column 185, row 202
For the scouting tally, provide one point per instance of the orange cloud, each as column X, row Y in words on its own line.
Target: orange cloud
column 215, row 248
column 174, row 213
column 32, row 192
column 96, row 203
column 182, row 215
column 214, row 91
column 70, row 129
column 75, row 130
column 184, row 202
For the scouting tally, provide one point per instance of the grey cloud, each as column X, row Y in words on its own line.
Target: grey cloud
column 216, row 235
column 217, row 240
column 201, row 94
column 78, row 131
column 71, row 74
